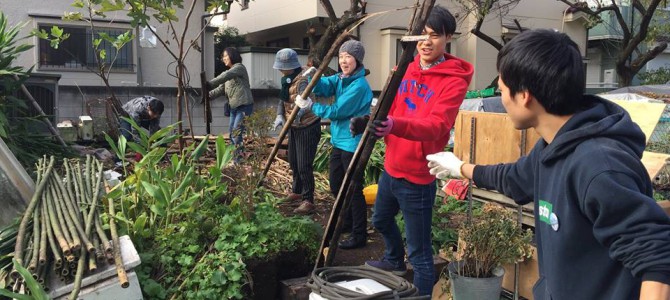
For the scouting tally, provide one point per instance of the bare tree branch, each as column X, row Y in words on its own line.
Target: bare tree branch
column 643, row 59
column 625, row 30
column 643, row 28
column 329, row 10
column 583, row 7
column 478, row 26
column 640, row 8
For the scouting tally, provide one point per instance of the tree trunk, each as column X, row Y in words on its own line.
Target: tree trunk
column 625, row 74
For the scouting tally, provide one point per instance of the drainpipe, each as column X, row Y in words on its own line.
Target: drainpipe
column 202, row 37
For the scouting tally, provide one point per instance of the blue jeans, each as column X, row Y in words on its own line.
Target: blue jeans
column 237, row 115
column 415, row 201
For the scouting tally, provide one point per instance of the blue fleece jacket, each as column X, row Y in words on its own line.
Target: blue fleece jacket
column 599, row 232
column 352, row 99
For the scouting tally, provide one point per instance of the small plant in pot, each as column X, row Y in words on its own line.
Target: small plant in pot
column 490, row 240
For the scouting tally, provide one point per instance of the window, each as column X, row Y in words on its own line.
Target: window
column 279, row 43
column 76, row 52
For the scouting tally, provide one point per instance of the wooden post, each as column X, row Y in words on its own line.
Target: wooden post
column 205, row 99
column 367, row 143
column 308, row 90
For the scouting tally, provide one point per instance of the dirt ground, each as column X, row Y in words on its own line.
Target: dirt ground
column 353, row 257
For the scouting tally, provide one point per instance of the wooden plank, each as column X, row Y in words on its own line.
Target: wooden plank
column 646, row 115
column 496, row 139
column 528, row 274
column 655, row 163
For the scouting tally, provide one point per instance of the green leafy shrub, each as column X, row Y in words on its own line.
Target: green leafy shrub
column 373, row 169
column 17, row 127
column 196, row 225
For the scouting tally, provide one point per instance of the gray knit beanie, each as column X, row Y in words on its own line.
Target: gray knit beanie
column 354, row 48
column 286, row 59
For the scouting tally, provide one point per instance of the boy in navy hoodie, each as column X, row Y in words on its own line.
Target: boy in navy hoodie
column 418, row 123
column 600, row 235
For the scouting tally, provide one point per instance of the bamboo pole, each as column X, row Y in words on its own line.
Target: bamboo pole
column 73, row 212
column 58, row 259
column 43, row 240
column 367, row 143
column 18, row 249
column 120, row 270
column 41, row 112
column 69, row 228
column 56, row 227
column 88, row 226
column 32, row 266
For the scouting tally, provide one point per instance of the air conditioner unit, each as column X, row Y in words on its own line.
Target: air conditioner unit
column 609, row 76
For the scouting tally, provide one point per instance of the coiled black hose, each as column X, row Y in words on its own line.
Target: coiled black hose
column 323, row 282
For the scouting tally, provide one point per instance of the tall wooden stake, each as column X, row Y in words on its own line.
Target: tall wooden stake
column 367, row 143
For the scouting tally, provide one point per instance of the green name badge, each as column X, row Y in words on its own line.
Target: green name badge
column 545, row 211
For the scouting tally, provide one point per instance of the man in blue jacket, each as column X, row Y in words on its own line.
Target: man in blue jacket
column 600, row 235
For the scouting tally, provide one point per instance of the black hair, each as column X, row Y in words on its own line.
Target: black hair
column 233, row 55
column 441, row 21
column 156, row 106
column 548, row 65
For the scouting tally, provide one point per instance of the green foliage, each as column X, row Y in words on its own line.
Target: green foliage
column 373, row 168
column 17, row 129
column 442, row 233
column 226, row 37
column 158, row 194
column 658, row 76
column 492, row 239
column 267, row 234
column 36, row 291
column 192, row 243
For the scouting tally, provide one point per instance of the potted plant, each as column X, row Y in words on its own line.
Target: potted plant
column 491, row 239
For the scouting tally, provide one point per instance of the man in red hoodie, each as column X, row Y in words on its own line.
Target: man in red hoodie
column 419, row 122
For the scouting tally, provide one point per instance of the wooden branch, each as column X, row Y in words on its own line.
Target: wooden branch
column 366, row 145
column 585, row 9
column 639, row 7
column 329, row 10
column 481, row 15
column 643, row 29
column 641, row 60
column 622, row 22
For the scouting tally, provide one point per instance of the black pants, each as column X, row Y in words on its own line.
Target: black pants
column 356, row 214
column 302, row 144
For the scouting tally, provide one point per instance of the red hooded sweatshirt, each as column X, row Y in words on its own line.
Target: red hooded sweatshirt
column 424, row 111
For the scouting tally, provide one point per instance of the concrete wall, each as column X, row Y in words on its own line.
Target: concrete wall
column 73, row 104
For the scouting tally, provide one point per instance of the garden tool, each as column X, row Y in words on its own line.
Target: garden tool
column 367, row 143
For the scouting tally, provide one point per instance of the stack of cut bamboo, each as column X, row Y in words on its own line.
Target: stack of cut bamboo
column 61, row 230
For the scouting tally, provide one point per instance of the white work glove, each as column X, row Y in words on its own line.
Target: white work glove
column 279, row 122
column 303, row 103
column 445, row 164
column 309, row 72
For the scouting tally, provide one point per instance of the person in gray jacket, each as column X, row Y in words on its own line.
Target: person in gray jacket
column 234, row 83
column 146, row 111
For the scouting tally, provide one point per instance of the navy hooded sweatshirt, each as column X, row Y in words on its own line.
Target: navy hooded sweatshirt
column 599, row 232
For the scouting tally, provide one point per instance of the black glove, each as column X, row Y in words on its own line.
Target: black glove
column 378, row 127
column 357, row 125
